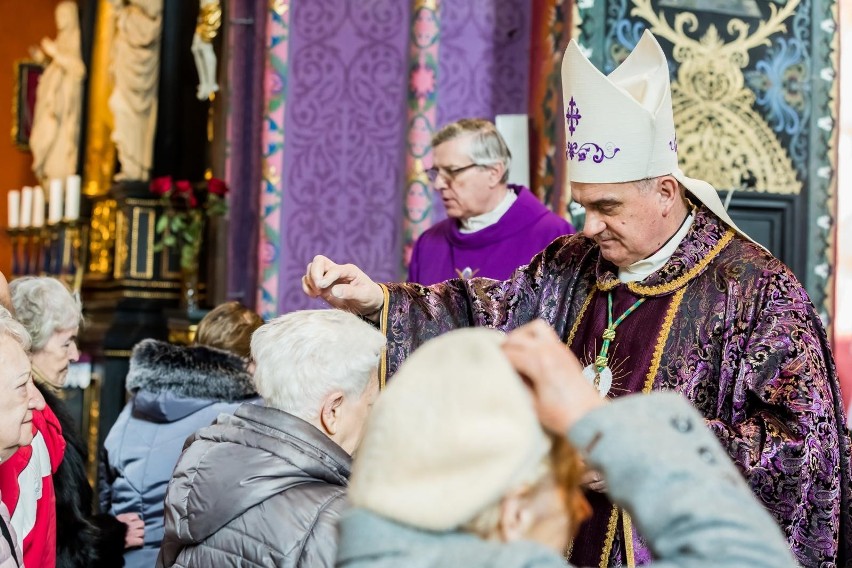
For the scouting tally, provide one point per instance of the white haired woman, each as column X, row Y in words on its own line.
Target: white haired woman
column 19, row 399
column 266, row 485
column 52, row 315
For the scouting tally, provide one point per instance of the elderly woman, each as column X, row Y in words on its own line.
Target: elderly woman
column 176, row 390
column 456, row 469
column 52, row 315
column 266, row 485
column 19, row 400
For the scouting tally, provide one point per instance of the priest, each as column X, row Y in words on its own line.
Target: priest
column 660, row 291
column 492, row 226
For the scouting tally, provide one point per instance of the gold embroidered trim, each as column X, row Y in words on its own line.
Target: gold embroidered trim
column 661, row 340
column 580, row 315
column 628, row 539
column 649, row 382
column 383, row 326
column 678, row 282
column 610, row 537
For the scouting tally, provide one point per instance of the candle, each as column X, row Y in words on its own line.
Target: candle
column 14, row 208
column 38, row 207
column 26, row 206
column 54, row 204
column 72, row 198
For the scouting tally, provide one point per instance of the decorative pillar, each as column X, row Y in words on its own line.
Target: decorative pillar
column 272, row 151
column 551, row 33
column 244, row 99
column 422, row 114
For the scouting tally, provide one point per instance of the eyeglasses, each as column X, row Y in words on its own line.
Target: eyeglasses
column 448, row 174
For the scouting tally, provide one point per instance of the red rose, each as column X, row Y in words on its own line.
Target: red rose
column 184, row 188
column 217, row 186
column 161, row 185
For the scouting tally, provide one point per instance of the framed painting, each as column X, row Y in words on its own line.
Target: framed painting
column 27, row 75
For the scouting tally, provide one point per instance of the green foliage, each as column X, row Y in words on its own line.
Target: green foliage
column 182, row 224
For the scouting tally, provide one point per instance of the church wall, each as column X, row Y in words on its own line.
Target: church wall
column 341, row 119
column 22, row 24
column 344, row 139
column 484, row 62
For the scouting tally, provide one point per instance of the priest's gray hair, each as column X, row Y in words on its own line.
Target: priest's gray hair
column 44, row 306
column 11, row 327
column 302, row 357
column 487, row 146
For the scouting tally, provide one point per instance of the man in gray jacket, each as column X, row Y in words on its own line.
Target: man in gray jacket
column 265, row 486
column 473, row 485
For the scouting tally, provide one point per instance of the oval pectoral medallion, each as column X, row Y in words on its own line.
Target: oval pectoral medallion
column 601, row 380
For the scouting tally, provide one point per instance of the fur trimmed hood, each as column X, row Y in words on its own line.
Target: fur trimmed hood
column 196, row 372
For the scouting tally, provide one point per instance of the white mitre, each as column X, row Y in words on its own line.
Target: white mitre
column 620, row 128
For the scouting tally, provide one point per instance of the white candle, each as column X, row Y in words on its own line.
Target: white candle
column 54, row 203
column 38, row 207
column 26, row 206
column 14, row 198
column 72, row 198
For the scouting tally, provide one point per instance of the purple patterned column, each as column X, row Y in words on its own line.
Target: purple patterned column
column 344, row 155
column 245, row 52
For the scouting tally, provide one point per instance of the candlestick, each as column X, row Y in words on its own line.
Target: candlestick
column 14, row 198
column 54, row 204
column 72, row 198
column 26, row 207
column 38, row 207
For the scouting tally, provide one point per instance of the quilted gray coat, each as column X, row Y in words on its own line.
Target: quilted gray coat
column 259, row 488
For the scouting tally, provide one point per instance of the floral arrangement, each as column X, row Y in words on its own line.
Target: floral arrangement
column 187, row 207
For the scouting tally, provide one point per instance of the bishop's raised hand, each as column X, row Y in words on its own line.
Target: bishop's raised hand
column 343, row 286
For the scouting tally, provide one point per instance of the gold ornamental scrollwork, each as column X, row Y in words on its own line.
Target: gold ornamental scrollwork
column 720, row 134
column 102, row 237
column 122, row 246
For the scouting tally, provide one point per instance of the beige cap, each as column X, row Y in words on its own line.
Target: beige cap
column 454, row 431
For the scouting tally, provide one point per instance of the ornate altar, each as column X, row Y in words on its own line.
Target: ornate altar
column 101, row 232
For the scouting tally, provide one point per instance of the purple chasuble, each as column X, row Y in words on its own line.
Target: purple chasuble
column 444, row 252
column 630, row 359
column 725, row 324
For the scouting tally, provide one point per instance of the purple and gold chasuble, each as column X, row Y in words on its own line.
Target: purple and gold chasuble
column 725, row 324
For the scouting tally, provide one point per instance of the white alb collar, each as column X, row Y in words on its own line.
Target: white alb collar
column 480, row 222
column 640, row 269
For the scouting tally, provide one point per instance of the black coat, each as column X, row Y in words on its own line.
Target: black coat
column 83, row 539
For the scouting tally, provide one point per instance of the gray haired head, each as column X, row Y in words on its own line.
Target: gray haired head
column 44, row 305
column 486, row 147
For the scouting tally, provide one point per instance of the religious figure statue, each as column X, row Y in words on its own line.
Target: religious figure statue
column 209, row 22
column 135, row 68
column 54, row 140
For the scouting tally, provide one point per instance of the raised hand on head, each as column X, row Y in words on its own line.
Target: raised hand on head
column 562, row 395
